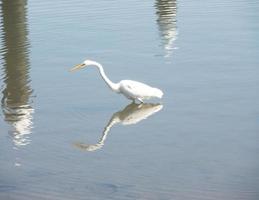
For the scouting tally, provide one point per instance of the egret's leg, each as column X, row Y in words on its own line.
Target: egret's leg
column 141, row 101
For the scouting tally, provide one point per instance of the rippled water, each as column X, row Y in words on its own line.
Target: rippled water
column 67, row 136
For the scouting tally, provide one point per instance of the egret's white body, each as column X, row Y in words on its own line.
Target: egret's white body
column 131, row 89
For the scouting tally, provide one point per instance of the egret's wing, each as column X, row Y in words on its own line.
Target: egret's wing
column 136, row 89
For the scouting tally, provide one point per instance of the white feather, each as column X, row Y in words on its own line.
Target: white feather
column 133, row 90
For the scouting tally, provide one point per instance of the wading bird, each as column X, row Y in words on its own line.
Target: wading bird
column 132, row 90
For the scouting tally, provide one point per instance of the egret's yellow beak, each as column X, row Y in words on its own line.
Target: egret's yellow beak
column 79, row 66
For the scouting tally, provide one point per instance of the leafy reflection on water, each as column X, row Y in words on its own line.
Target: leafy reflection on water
column 131, row 114
column 166, row 20
column 17, row 92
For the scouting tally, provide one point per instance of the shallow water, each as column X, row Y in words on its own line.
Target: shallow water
column 67, row 136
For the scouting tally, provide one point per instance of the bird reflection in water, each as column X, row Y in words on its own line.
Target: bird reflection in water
column 166, row 20
column 131, row 114
column 16, row 100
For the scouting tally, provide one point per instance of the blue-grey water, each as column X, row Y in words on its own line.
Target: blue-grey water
column 67, row 136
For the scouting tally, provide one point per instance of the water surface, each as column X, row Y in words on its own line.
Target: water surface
column 67, row 136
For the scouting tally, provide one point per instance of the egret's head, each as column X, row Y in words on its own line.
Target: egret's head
column 84, row 64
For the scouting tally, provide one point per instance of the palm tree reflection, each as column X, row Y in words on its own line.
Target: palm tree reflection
column 17, row 92
column 166, row 20
column 131, row 114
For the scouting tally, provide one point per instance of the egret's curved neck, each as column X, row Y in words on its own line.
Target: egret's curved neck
column 113, row 86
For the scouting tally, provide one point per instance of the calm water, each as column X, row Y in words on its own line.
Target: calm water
column 67, row 136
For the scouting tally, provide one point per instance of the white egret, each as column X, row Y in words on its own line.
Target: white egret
column 130, row 89
column 131, row 114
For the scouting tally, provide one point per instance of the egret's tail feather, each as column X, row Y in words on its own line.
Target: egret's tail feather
column 158, row 93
